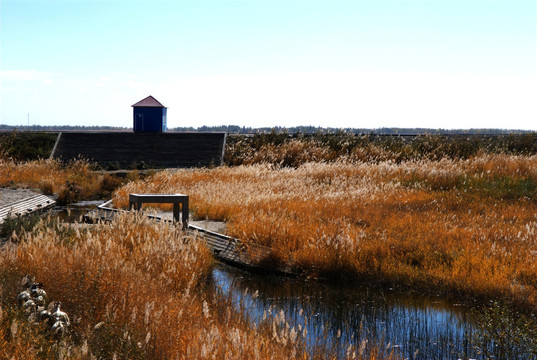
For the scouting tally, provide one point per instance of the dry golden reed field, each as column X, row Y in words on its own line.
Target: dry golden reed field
column 71, row 182
column 458, row 227
column 47, row 175
column 134, row 289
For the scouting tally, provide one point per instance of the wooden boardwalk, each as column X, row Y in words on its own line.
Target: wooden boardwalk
column 232, row 250
column 25, row 206
column 223, row 247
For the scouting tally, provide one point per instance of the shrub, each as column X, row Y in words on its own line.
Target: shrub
column 46, row 187
column 14, row 226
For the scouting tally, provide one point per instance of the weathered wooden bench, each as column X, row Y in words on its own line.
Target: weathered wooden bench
column 136, row 201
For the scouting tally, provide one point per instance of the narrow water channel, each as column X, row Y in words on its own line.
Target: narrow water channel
column 75, row 211
column 412, row 326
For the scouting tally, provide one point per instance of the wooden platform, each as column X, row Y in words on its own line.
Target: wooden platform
column 25, row 206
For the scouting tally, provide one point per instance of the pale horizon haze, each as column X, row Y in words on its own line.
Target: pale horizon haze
column 450, row 64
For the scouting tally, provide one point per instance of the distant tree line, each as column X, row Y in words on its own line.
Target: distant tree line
column 235, row 129
column 61, row 128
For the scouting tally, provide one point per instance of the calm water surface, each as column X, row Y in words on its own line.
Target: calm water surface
column 414, row 326
column 75, row 211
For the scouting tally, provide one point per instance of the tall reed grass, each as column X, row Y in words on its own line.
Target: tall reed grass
column 452, row 226
column 294, row 150
column 71, row 182
column 134, row 289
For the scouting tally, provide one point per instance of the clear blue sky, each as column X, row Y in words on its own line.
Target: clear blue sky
column 362, row 63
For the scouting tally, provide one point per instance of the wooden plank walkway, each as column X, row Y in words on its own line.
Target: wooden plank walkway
column 223, row 247
column 25, row 206
column 232, row 250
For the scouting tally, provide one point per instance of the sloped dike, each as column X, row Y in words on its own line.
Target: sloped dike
column 155, row 150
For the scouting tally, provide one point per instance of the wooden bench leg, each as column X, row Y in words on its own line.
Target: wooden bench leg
column 176, row 212
column 185, row 213
column 136, row 205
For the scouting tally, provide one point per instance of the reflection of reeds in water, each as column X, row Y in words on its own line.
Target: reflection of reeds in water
column 335, row 318
column 452, row 226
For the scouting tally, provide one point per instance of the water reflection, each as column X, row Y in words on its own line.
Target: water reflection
column 415, row 327
column 75, row 212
